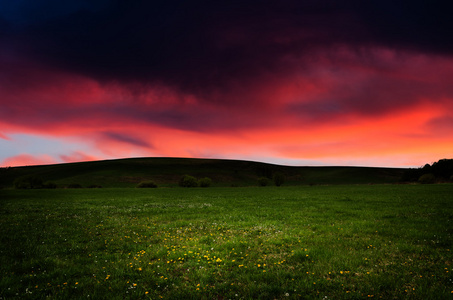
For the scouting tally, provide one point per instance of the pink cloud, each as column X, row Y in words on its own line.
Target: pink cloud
column 77, row 156
column 333, row 103
column 28, row 160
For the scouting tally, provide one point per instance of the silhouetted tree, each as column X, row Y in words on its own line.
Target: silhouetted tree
column 441, row 170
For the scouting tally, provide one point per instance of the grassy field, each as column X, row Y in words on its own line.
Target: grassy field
column 318, row 242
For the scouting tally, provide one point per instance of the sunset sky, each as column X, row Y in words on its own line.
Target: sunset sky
column 363, row 83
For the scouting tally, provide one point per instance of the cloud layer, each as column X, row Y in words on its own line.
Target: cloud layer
column 361, row 83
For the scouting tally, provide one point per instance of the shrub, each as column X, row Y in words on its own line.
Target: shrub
column 263, row 181
column 147, row 184
column 279, row 179
column 427, row 178
column 188, row 181
column 28, row 182
column 205, row 182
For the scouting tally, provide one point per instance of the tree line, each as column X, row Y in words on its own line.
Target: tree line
column 440, row 171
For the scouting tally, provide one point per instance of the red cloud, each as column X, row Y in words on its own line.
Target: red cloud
column 28, row 160
column 77, row 156
column 341, row 102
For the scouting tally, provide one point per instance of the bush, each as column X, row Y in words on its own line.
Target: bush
column 188, row 181
column 147, row 184
column 28, row 182
column 205, row 182
column 427, row 178
column 279, row 179
column 263, row 181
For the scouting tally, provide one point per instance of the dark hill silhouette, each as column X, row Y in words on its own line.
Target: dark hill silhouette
column 167, row 172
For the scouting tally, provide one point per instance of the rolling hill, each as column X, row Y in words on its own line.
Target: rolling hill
column 166, row 172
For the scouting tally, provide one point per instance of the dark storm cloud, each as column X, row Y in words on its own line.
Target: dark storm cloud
column 422, row 25
column 126, row 138
column 201, row 46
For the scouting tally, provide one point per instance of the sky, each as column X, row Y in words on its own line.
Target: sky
column 294, row 82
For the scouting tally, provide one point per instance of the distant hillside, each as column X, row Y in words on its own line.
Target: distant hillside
column 166, row 172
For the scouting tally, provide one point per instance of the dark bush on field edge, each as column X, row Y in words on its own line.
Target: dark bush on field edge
column 147, row 184
column 188, row 181
column 263, row 181
column 427, row 178
column 32, row 182
column 279, row 179
column 28, row 182
column 205, row 182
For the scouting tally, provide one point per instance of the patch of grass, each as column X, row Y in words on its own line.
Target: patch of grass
column 336, row 242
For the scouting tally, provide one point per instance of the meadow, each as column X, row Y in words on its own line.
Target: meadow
column 309, row 242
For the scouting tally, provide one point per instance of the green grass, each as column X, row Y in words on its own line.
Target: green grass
column 319, row 242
